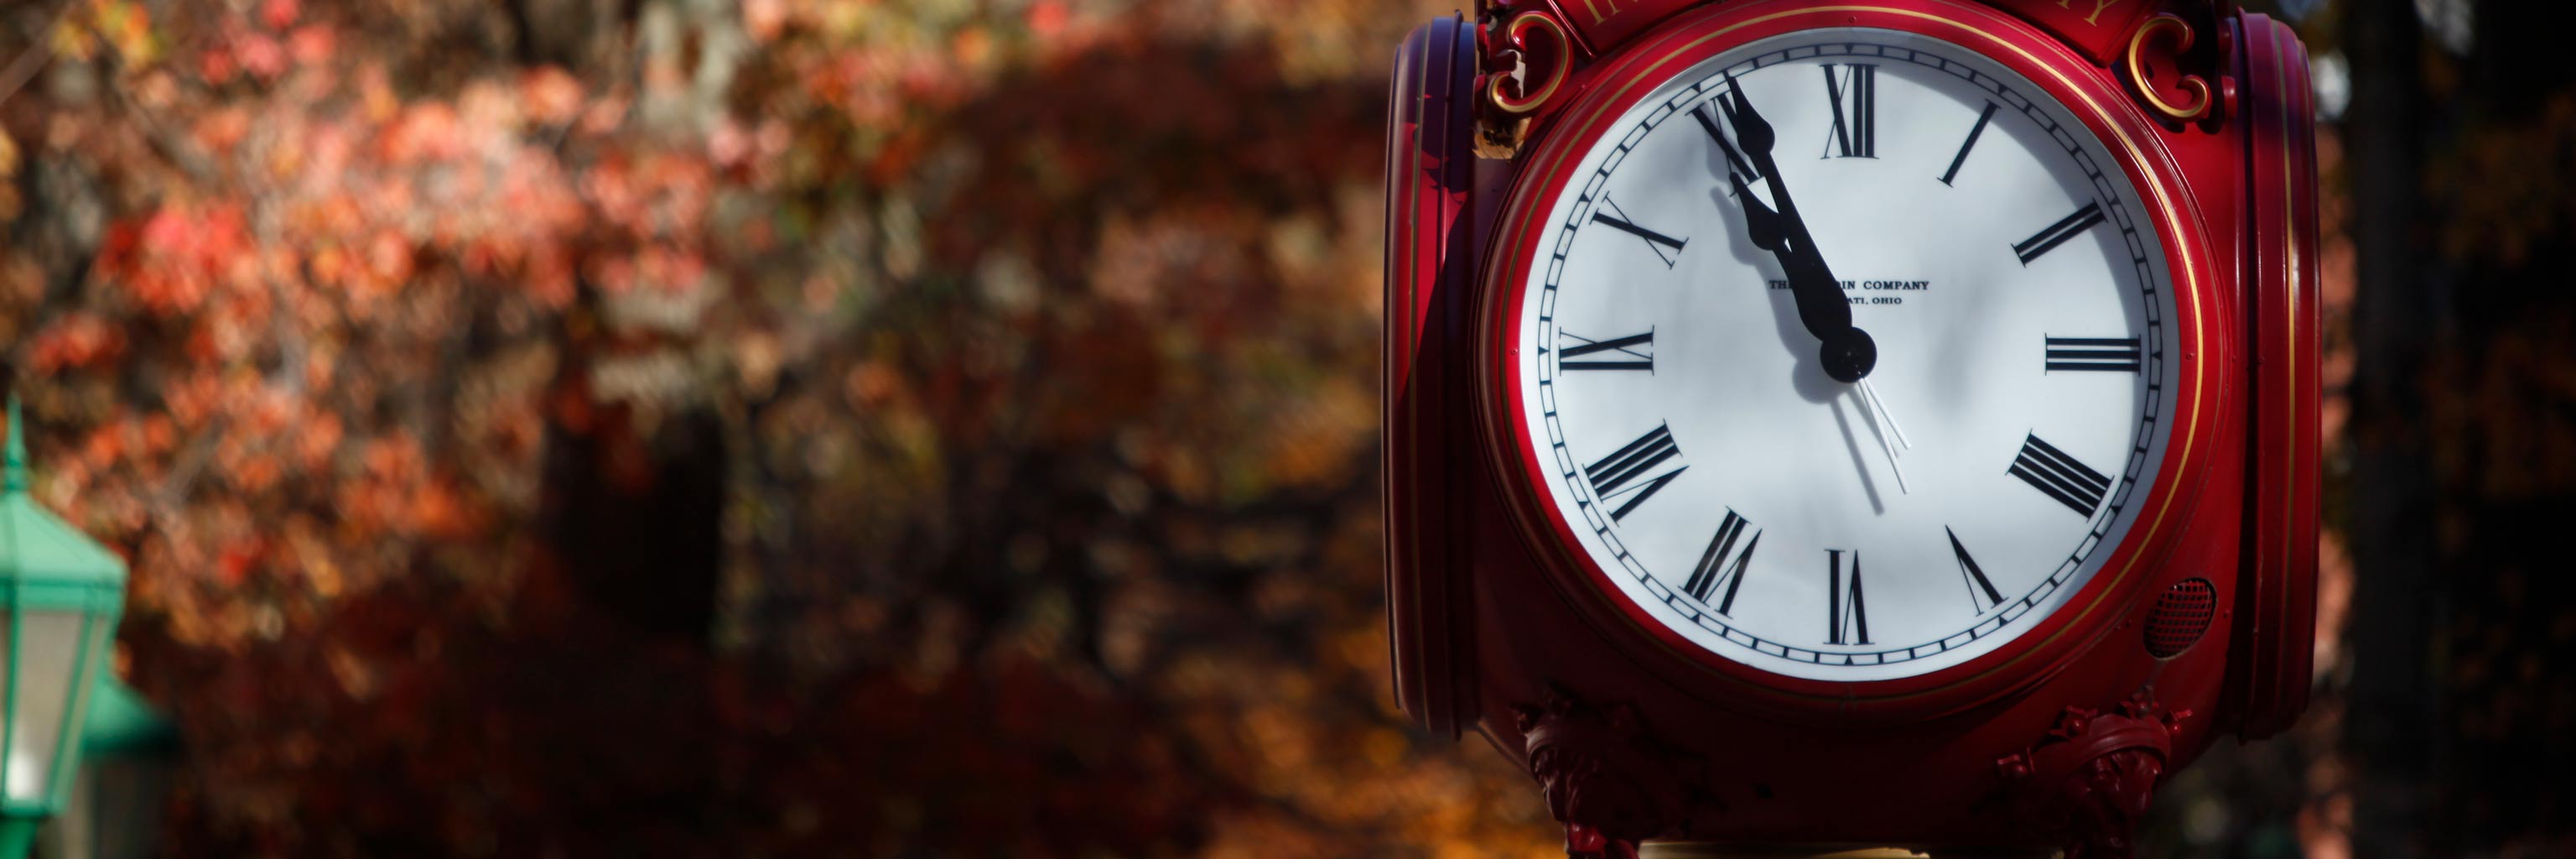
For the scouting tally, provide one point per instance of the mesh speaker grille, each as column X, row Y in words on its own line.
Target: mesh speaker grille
column 2181, row 615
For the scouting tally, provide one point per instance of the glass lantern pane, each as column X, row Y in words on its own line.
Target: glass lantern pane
column 49, row 650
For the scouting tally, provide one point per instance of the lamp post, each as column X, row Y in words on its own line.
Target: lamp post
column 115, row 807
column 60, row 597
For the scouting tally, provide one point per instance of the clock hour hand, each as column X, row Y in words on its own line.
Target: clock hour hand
column 1847, row 353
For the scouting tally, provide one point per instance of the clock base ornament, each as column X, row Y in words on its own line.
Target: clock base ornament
column 1710, row 850
column 1602, row 775
column 2088, row 781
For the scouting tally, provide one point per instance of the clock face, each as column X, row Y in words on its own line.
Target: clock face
column 1696, row 370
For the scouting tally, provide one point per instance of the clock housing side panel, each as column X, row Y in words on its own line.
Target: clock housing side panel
column 2278, row 625
column 1547, row 168
column 1430, row 488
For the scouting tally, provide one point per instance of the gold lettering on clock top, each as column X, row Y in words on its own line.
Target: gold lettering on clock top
column 2094, row 18
column 1602, row 9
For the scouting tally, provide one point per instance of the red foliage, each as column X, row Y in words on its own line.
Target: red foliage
column 997, row 383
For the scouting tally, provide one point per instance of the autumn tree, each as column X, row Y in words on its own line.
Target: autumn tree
column 657, row 428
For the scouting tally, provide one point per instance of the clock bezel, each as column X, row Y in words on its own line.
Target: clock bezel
column 1607, row 91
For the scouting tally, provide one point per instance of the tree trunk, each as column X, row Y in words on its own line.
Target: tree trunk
column 2390, row 725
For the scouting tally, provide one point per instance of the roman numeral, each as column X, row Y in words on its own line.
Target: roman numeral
column 2072, row 483
column 1975, row 578
column 1973, row 132
column 1721, row 564
column 1655, row 241
column 2093, row 354
column 1844, row 612
column 1611, row 475
column 1635, row 360
column 1855, row 129
column 2057, row 233
column 1734, row 160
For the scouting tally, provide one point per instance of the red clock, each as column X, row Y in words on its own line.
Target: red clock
column 1883, row 423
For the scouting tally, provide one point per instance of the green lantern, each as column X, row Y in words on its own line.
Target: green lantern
column 128, row 752
column 60, row 597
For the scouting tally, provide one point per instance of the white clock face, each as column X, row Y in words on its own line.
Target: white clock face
column 1685, row 400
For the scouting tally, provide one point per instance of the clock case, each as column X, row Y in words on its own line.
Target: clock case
column 2199, row 627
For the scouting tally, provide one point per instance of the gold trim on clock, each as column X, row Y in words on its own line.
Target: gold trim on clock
column 1516, row 33
column 2134, row 59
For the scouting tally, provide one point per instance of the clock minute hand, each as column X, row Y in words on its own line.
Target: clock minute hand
column 1756, row 136
column 1821, row 307
column 1847, row 353
column 1762, row 224
column 1765, row 228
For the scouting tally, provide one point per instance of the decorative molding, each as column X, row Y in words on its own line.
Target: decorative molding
column 1601, row 775
column 2159, row 60
column 1526, row 59
column 1712, row 850
column 2087, row 782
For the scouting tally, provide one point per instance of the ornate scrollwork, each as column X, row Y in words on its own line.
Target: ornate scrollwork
column 2157, row 61
column 1539, row 54
column 2089, row 779
column 1526, row 59
column 1601, row 775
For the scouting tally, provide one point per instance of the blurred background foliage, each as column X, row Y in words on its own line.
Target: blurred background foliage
column 947, row 428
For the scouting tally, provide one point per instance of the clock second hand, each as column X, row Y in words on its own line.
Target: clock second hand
column 1880, row 405
column 1872, row 411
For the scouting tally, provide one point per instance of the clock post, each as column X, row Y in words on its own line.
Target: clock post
column 1862, row 428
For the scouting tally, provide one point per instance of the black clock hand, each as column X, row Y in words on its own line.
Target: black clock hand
column 1759, row 221
column 1764, row 226
column 1847, row 353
